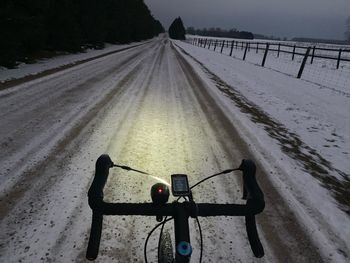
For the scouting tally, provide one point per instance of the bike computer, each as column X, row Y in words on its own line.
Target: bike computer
column 179, row 185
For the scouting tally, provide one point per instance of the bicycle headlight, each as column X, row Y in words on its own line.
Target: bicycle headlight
column 159, row 193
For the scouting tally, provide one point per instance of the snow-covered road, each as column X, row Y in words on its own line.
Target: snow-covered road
column 147, row 108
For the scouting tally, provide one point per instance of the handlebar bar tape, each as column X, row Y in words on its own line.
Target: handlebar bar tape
column 253, row 236
column 95, row 196
column 95, row 236
column 251, row 189
column 95, row 193
column 255, row 198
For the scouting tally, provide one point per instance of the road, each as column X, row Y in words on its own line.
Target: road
column 148, row 109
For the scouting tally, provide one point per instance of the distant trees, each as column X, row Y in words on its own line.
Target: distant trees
column 347, row 32
column 218, row 32
column 177, row 29
column 27, row 27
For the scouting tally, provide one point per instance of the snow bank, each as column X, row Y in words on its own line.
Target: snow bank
column 51, row 63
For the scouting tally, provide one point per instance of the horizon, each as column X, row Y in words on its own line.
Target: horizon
column 319, row 19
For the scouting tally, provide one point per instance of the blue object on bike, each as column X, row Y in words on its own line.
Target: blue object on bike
column 184, row 248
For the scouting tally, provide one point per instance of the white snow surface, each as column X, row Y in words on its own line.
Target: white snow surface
column 154, row 122
column 319, row 116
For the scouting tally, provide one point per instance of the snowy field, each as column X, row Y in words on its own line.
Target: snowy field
column 166, row 107
column 321, row 71
column 303, row 126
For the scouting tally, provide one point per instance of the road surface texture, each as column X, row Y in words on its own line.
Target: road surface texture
column 146, row 108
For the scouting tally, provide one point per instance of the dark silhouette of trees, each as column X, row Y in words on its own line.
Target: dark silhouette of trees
column 62, row 27
column 218, row 32
column 158, row 27
column 347, row 32
column 27, row 27
column 22, row 29
column 177, row 29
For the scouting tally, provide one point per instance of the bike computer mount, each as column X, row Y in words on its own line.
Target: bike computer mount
column 179, row 185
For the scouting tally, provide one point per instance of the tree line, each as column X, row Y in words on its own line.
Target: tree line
column 218, row 32
column 347, row 31
column 29, row 27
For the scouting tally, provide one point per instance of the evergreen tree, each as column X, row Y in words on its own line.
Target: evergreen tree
column 158, row 28
column 63, row 26
column 22, row 29
column 177, row 29
column 92, row 22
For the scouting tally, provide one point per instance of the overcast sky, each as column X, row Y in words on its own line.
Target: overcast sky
column 281, row 18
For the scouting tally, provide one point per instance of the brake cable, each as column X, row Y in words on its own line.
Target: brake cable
column 211, row 176
column 128, row 168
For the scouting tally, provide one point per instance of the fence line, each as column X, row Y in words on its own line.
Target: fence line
column 312, row 51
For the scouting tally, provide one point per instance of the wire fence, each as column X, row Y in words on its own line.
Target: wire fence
column 326, row 65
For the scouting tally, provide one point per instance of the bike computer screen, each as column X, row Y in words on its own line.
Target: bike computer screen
column 179, row 185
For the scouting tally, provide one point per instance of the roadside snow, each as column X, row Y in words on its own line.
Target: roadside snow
column 314, row 119
column 321, row 71
column 55, row 62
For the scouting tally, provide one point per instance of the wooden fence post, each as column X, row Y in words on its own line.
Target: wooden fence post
column 304, row 62
column 265, row 55
column 339, row 57
column 216, row 42
column 222, row 46
column 293, row 52
column 205, row 42
column 209, row 44
column 279, row 49
column 257, row 47
column 232, row 44
column 245, row 51
column 313, row 54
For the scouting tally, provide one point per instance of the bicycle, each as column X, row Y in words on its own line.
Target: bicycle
column 178, row 211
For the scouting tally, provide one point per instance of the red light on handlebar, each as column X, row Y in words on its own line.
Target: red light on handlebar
column 160, row 193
